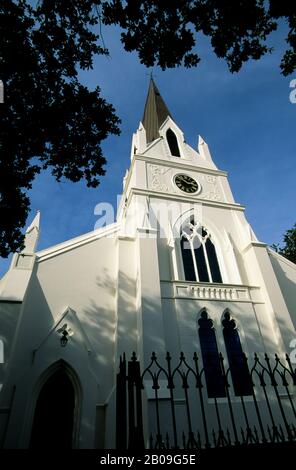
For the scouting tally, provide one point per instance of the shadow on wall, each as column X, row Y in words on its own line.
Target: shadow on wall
column 127, row 328
column 239, row 260
column 38, row 346
column 90, row 351
column 9, row 316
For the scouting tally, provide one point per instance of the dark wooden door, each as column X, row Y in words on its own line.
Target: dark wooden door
column 54, row 414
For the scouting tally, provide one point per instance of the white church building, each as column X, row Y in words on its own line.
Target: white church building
column 180, row 270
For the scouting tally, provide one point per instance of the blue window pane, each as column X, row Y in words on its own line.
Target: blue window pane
column 213, row 261
column 210, row 357
column 201, row 264
column 187, row 261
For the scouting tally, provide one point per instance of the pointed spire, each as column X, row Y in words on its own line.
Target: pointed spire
column 155, row 112
column 35, row 223
column 203, row 149
column 32, row 234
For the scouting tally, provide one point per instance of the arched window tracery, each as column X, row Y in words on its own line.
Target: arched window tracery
column 199, row 255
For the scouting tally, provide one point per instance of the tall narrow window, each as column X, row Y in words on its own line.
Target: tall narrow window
column 213, row 261
column 210, row 357
column 173, row 143
column 239, row 370
column 199, row 254
column 189, row 270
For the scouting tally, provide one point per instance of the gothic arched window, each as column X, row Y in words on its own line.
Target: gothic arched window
column 173, row 143
column 239, row 370
column 199, row 254
column 210, row 357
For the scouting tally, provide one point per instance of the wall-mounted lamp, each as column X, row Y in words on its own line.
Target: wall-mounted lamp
column 65, row 333
column 64, row 339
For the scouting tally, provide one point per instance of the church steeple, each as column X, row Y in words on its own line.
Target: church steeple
column 155, row 112
column 158, row 135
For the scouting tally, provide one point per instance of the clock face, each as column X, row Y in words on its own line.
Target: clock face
column 186, row 184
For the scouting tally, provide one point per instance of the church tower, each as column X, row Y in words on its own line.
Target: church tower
column 180, row 270
column 203, row 255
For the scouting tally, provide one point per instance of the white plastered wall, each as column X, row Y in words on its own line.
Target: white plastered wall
column 83, row 279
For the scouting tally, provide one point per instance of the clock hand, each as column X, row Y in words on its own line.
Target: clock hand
column 181, row 178
column 190, row 183
column 185, row 181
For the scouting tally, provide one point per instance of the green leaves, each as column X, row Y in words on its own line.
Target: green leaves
column 288, row 250
column 48, row 120
column 165, row 33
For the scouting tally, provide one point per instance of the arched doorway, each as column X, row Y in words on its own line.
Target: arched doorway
column 53, row 421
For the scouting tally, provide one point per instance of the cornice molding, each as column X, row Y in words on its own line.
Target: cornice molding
column 179, row 163
column 185, row 198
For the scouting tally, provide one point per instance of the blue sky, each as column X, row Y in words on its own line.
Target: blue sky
column 247, row 120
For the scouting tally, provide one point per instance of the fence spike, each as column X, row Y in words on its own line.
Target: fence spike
column 134, row 357
column 153, row 356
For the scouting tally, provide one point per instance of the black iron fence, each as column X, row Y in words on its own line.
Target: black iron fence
column 166, row 405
